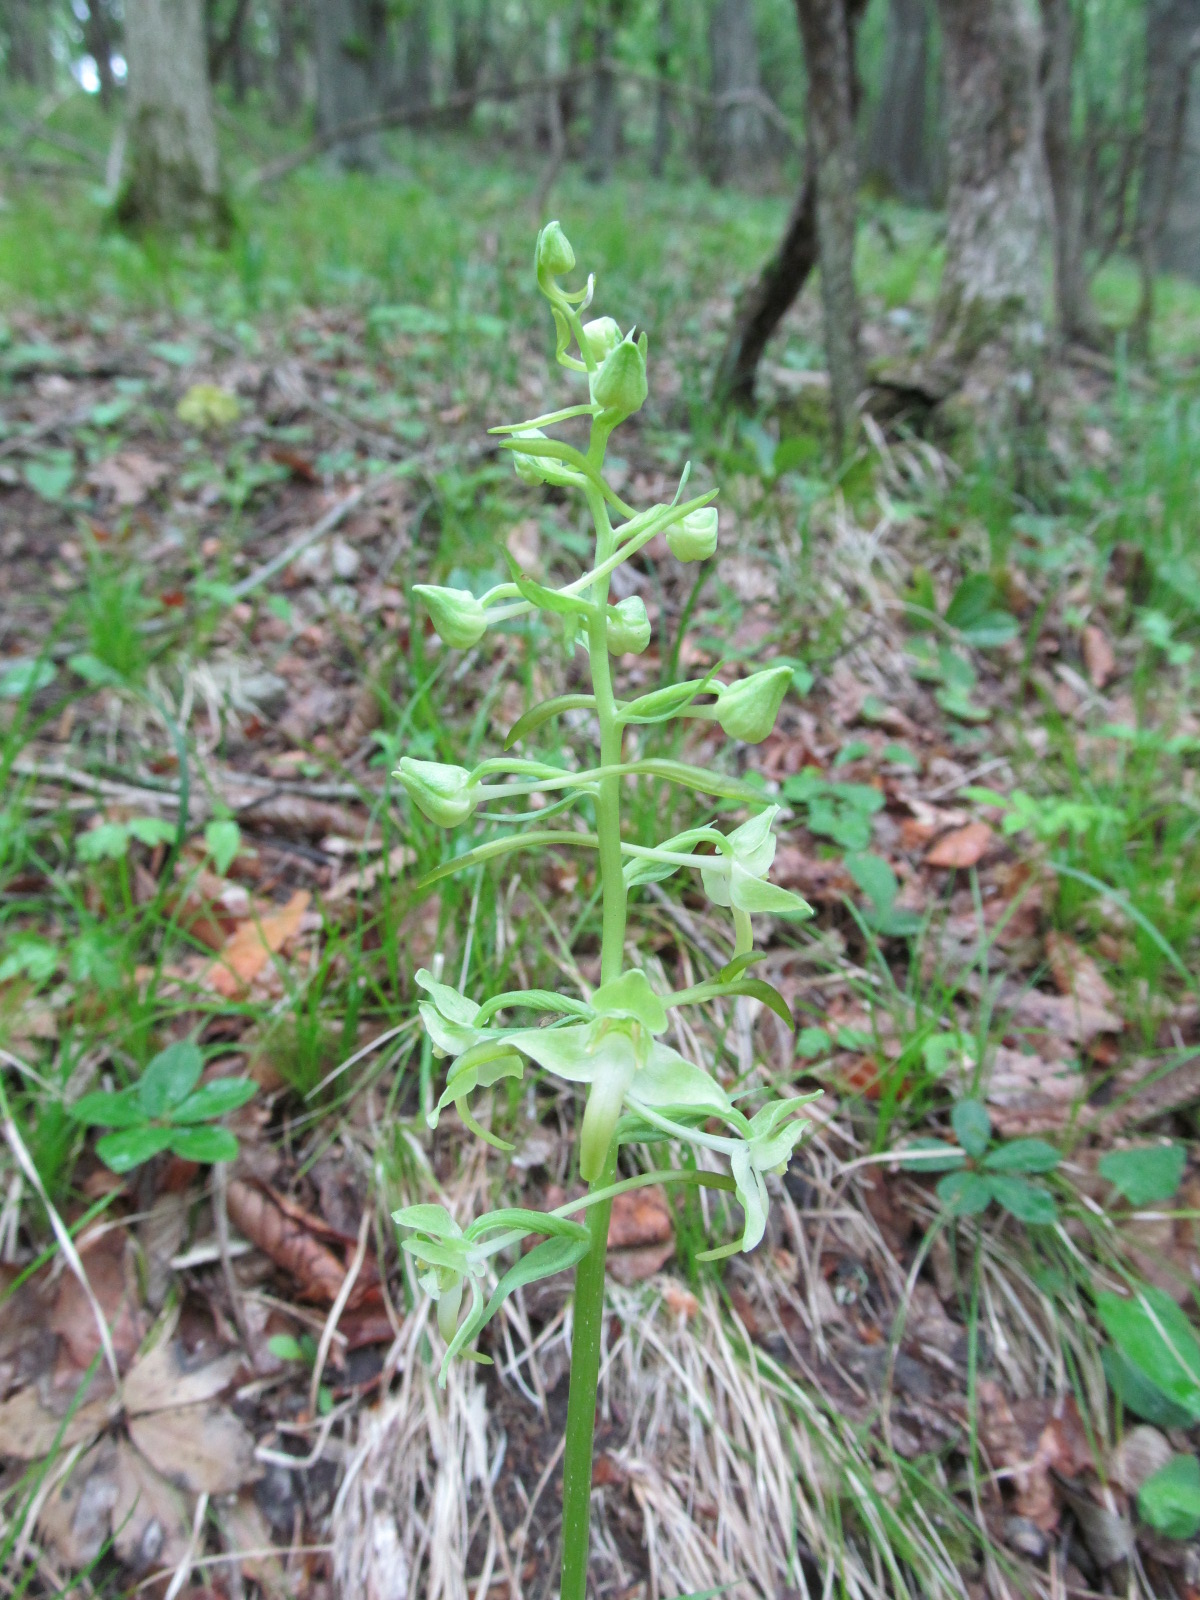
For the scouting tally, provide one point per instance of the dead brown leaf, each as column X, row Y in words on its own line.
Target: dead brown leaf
column 130, row 476
column 641, row 1234
column 1098, row 655
column 1029, row 1096
column 965, row 847
column 289, row 1243
column 1075, row 973
column 151, row 1522
column 252, row 945
column 30, row 1421
column 202, row 1448
column 111, row 1269
column 77, row 1514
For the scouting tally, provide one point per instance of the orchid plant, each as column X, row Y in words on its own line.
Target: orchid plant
column 612, row 1041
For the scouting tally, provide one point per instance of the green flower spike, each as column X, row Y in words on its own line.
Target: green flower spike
column 747, row 710
column 619, row 1055
column 695, row 538
column 619, row 388
column 603, row 336
column 445, row 794
column 457, row 616
column 628, row 627
column 737, row 876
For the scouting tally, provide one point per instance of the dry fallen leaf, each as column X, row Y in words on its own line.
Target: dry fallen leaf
column 1098, row 656
column 1075, row 973
column 150, row 1518
column 641, row 1234
column 965, row 847
column 130, row 476
column 252, row 945
column 110, row 1265
column 289, row 1243
column 202, row 1448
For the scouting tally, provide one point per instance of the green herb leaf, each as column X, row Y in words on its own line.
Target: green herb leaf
column 1028, row 1202
column 170, row 1077
column 1152, row 1332
column 1170, row 1500
column 1147, row 1176
column 120, row 1110
column 205, row 1145
column 215, row 1099
column 222, row 840
column 1023, row 1155
column 972, row 1126
column 965, row 1194
column 123, row 1151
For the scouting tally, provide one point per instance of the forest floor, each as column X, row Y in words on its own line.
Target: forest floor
column 219, row 478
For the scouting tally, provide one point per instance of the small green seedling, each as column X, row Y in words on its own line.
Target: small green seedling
column 165, row 1111
column 1049, row 817
column 838, row 811
column 285, row 1347
column 875, row 877
column 1147, row 1176
column 111, row 840
column 981, row 1172
column 976, row 612
column 1170, row 1500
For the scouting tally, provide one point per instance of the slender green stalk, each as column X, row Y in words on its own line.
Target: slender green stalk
column 589, row 1274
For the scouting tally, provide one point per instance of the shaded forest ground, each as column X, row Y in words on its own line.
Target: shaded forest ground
column 219, row 476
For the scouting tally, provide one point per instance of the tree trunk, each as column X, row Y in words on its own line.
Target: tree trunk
column 1162, row 229
column 28, row 28
column 173, row 177
column 739, row 133
column 97, row 35
column 289, row 79
column 899, row 148
column 1072, row 292
column 604, row 136
column 416, row 84
column 765, row 303
column 1179, row 247
column 350, row 37
column 660, row 146
column 829, row 58
column 990, row 297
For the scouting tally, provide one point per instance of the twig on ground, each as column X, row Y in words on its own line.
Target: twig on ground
column 338, row 1306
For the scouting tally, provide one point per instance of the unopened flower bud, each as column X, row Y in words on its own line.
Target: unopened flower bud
column 695, row 537
column 539, row 469
column 747, row 710
column 554, row 255
column 628, row 627
column 602, row 336
column 458, row 618
column 445, row 794
column 619, row 387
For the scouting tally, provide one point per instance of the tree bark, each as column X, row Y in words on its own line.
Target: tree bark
column 990, row 296
column 97, row 35
column 829, row 57
column 416, row 84
column 29, row 59
column 1074, row 311
column 739, row 132
column 288, row 77
column 350, row 37
column 604, row 135
column 173, row 177
column 899, row 148
column 660, row 146
column 1162, row 225
column 765, row 303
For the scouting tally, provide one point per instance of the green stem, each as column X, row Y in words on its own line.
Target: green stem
column 589, row 1274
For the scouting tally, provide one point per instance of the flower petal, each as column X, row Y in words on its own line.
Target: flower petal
column 576, row 1053
column 669, row 1079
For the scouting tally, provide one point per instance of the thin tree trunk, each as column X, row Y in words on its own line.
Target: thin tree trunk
column 990, row 296
column 1072, row 292
column 97, row 34
column 351, row 49
column 28, row 59
column 605, row 132
column 739, row 134
column 829, row 57
column 1171, row 29
column 765, row 302
column 660, row 146
column 416, row 89
column 899, row 149
column 173, row 173
column 289, row 80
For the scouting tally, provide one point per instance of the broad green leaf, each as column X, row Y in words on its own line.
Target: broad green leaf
column 21, row 678
column 123, row 1151
column 972, row 1126
column 108, row 842
column 974, row 596
column 875, row 878
column 1170, row 1500
column 1023, row 1155
column 1153, row 1333
column 936, row 1156
column 151, row 830
column 30, row 956
column 1028, row 1202
column 170, row 1077
column 1137, row 1394
column 812, row 1042
column 222, row 840
column 1146, row 1176
column 100, row 1110
column 50, row 479
column 284, row 1347
column 205, row 1145
column 965, row 1193
column 215, row 1099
